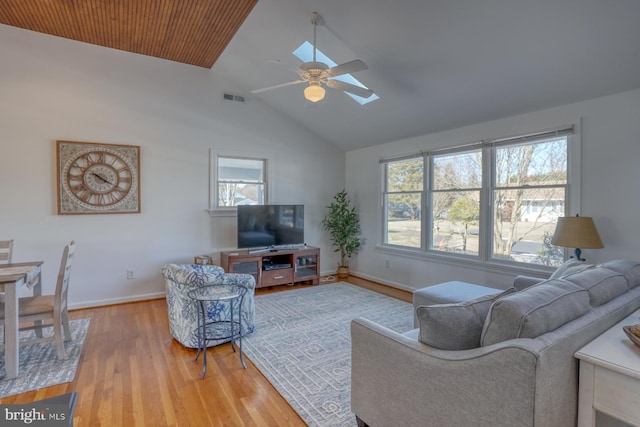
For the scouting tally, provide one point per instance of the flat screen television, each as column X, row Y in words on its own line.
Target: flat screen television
column 270, row 225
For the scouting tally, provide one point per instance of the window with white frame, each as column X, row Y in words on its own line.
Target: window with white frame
column 237, row 181
column 495, row 200
column 455, row 201
column 403, row 193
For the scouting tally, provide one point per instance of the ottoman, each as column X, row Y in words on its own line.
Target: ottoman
column 449, row 293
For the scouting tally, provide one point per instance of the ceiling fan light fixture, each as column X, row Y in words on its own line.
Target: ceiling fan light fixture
column 314, row 92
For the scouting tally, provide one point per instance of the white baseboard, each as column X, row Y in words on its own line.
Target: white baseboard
column 156, row 295
column 384, row 282
column 122, row 300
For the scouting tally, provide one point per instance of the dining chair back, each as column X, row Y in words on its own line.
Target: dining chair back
column 49, row 308
column 6, row 250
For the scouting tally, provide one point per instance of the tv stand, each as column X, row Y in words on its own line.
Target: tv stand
column 282, row 266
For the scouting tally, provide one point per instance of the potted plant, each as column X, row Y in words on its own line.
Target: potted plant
column 343, row 224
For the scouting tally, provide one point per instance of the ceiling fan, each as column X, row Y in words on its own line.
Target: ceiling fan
column 317, row 74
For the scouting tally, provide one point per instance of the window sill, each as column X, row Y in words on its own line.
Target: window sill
column 216, row 213
column 468, row 261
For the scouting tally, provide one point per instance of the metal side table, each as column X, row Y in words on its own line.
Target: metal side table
column 210, row 296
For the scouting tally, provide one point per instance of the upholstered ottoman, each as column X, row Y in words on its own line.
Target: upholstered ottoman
column 449, row 293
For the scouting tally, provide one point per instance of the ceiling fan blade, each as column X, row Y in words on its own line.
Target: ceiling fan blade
column 348, row 87
column 346, row 68
column 264, row 89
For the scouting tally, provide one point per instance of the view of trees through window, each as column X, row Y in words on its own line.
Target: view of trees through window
column 527, row 195
column 455, row 213
column 240, row 181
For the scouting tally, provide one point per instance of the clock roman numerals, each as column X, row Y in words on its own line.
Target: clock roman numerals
column 98, row 178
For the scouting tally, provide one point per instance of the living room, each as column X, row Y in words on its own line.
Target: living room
column 59, row 89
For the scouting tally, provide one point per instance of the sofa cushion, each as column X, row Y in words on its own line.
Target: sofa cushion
column 534, row 311
column 602, row 284
column 455, row 326
column 571, row 266
column 629, row 269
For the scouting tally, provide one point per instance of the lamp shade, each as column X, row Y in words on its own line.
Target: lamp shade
column 314, row 92
column 577, row 232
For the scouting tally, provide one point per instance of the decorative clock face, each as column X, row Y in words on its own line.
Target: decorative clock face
column 97, row 178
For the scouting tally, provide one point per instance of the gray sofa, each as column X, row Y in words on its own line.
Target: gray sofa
column 514, row 366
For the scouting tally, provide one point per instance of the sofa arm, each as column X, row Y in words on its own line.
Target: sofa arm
column 396, row 380
column 522, row 282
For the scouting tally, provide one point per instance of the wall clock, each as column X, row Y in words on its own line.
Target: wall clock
column 97, row 178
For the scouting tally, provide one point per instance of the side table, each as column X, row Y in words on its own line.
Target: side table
column 610, row 376
column 210, row 298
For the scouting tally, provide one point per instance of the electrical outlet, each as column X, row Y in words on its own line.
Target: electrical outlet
column 386, row 264
column 131, row 274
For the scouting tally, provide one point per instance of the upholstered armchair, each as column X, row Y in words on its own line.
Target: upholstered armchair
column 182, row 310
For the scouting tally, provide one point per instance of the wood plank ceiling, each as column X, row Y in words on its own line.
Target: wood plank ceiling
column 194, row 32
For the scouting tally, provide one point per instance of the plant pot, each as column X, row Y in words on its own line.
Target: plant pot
column 343, row 272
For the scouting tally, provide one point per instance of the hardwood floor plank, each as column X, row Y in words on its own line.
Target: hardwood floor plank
column 133, row 373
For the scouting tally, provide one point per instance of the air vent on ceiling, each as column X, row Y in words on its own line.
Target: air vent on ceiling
column 231, row 97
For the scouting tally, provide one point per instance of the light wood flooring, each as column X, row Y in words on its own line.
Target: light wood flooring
column 132, row 373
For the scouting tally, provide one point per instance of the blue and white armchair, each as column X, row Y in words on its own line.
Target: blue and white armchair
column 182, row 310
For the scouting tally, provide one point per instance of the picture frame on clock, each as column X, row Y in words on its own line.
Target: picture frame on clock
column 97, row 178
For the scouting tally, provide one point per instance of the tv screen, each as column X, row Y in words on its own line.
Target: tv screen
column 270, row 225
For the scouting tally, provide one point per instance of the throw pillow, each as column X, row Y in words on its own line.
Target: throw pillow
column 534, row 311
column 455, row 326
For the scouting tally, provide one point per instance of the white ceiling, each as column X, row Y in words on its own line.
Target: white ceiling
column 438, row 65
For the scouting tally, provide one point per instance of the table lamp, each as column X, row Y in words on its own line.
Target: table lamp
column 577, row 232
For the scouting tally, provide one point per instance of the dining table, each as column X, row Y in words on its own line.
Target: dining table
column 12, row 277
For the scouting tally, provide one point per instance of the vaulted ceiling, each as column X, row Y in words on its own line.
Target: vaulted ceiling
column 436, row 64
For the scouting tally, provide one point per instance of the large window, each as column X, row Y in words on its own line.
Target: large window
column 495, row 200
column 403, row 202
column 238, row 181
column 455, row 201
column 528, row 195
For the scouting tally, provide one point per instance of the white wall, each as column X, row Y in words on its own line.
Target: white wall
column 610, row 135
column 52, row 88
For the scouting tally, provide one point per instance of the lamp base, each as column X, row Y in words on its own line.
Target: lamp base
column 576, row 254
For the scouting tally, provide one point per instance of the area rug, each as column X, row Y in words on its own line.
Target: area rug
column 302, row 344
column 39, row 363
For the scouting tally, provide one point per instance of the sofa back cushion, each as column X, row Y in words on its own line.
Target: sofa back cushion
column 571, row 266
column 602, row 284
column 534, row 311
column 629, row 269
column 455, row 326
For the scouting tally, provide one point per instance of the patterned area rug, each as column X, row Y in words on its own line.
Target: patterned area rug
column 302, row 344
column 39, row 363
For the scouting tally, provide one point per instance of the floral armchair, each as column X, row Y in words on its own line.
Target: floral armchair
column 183, row 314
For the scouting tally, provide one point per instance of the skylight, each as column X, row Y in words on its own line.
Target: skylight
column 305, row 53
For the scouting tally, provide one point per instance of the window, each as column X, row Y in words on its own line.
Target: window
column 403, row 202
column 528, row 195
column 455, row 202
column 238, row 181
column 495, row 200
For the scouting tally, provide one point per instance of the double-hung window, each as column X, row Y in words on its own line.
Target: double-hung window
column 238, row 181
column 494, row 200
column 455, row 189
column 528, row 194
column 403, row 196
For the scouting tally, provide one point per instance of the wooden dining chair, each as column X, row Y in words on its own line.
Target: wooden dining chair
column 6, row 250
column 49, row 308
